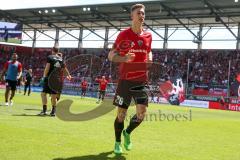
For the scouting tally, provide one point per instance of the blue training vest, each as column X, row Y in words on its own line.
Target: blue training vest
column 12, row 71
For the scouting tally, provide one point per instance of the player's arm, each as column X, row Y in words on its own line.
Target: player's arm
column 19, row 71
column 19, row 74
column 149, row 55
column 69, row 77
column 46, row 70
column 97, row 79
column 114, row 56
column 24, row 79
column 149, row 59
column 109, row 79
column 4, row 71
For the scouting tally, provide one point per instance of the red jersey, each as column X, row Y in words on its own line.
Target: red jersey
column 130, row 42
column 84, row 84
column 102, row 84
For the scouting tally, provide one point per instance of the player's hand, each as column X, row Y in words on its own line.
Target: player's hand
column 130, row 57
column 69, row 77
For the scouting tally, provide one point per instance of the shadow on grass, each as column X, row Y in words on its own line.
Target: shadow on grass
column 29, row 115
column 32, row 109
column 100, row 156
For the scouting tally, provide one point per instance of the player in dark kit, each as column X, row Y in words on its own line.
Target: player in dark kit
column 28, row 81
column 102, row 88
column 53, row 80
column 132, row 49
column 19, row 84
column 13, row 68
column 84, row 85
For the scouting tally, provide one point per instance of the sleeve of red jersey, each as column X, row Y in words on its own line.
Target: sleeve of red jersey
column 97, row 80
column 6, row 65
column 19, row 67
column 118, row 40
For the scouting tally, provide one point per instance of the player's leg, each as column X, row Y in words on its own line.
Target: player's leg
column 12, row 95
column 135, row 121
column 118, row 128
column 7, row 91
column 122, row 99
column 99, row 96
column 44, row 103
column 137, row 118
column 82, row 93
column 13, row 85
column 19, row 85
column 25, row 89
column 44, row 93
column 119, row 123
column 141, row 99
column 103, row 95
column 152, row 98
column 58, row 96
column 54, row 103
column 29, row 89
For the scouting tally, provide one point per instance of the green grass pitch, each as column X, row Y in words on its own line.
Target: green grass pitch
column 206, row 135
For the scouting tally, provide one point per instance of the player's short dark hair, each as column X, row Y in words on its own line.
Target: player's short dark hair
column 136, row 6
column 55, row 49
column 14, row 53
column 60, row 54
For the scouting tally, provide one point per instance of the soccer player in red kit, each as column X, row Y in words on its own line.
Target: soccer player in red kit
column 132, row 49
column 84, row 85
column 102, row 87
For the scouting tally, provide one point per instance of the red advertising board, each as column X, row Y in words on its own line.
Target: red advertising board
column 234, row 107
column 224, row 106
column 200, row 91
column 218, row 105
